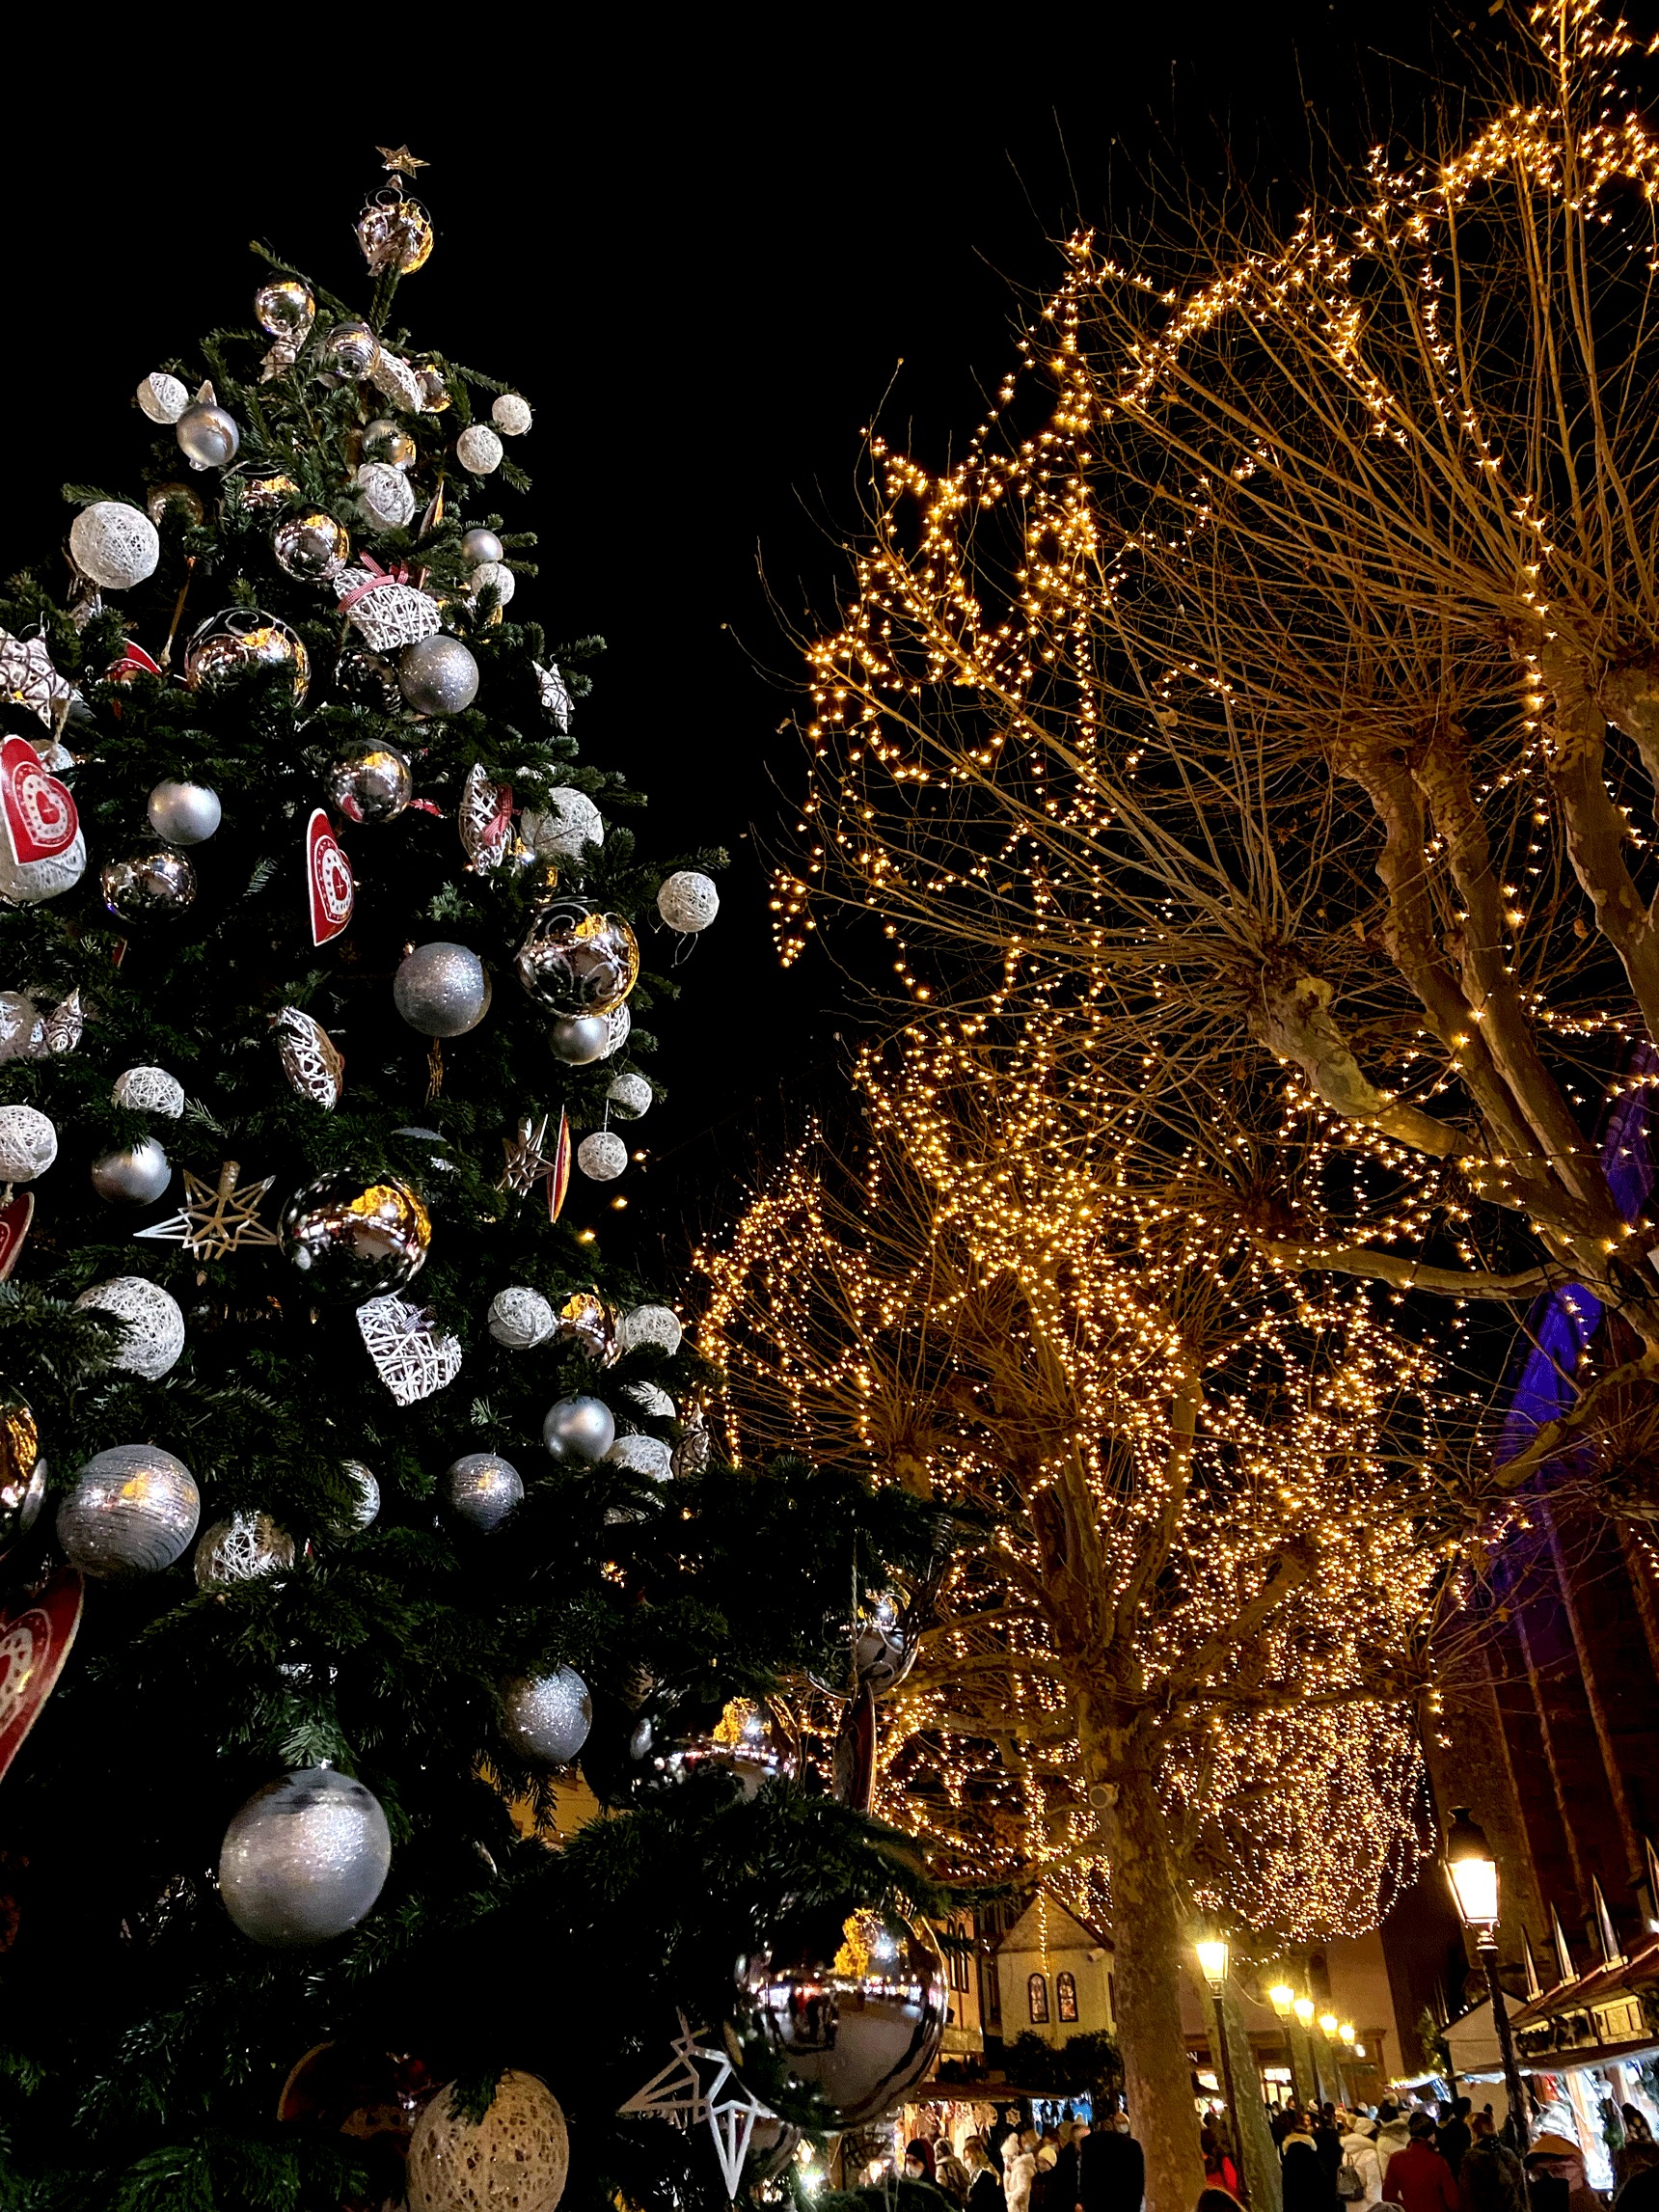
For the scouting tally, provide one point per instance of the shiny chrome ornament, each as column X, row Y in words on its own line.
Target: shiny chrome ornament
column 575, row 961
column 133, row 1511
column 240, row 638
column 311, row 546
column 368, row 782
column 149, row 885
column 394, row 233
column 22, row 1472
column 350, row 349
column 356, row 1240
column 262, row 485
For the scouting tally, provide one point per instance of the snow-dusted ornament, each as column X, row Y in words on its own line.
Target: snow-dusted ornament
column 630, row 1094
column 28, row 678
column 22, row 1027
column 386, row 613
column 652, row 1328
column 646, row 1456
column 494, row 576
column 520, row 1317
column 603, row 1156
column 312, row 1062
column 411, row 1357
column 554, row 695
column 484, row 819
column 688, row 901
column 28, row 1143
column 242, row 1549
column 480, row 450
column 65, row 1024
column 511, row 415
column 26, row 883
column 569, row 821
column 385, row 494
column 394, row 379
column 652, row 1399
column 156, row 1337
column 150, row 1090
column 163, row 397
column 114, row 544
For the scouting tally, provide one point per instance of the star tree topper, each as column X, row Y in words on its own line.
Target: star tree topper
column 399, row 160
column 698, row 2084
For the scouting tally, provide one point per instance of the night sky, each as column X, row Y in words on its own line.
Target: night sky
column 702, row 257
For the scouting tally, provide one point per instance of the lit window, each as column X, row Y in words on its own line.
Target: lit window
column 1066, row 1996
column 1037, row 2000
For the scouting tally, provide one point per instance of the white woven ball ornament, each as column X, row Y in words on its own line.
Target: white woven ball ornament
column 394, row 379
column 567, row 821
column 688, row 901
column 163, row 397
column 480, row 450
column 511, row 414
column 115, row 544
column 515, row 2159
column 497, row 577
column 385, row 494
column 241, row 1550
column 22, row 1027
column 646, row 1456
column 28, row 1144
column 652, row 1327
column 155, row 1338
column 630, row 1094
column 652, row 1399
column 520, row 1317
column 391, row 615
column 603, row 1156
column 150, row 1090
column 26, row 883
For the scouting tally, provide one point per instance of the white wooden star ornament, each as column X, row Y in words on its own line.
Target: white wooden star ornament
column 698, row 2085
column 211, row 1224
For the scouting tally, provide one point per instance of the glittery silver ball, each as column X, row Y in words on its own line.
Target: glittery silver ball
column 133, row 1511
column 25, row 883
column 576, row 961
column 548, row 1716
column 365, row 1506
column 207, row 437
column 442, row 990
column 480, row 450
column 244, row 637
column 242, row 1549
column 22, row 1027
column 584, row 1427
column 630, row 1094
column 114, row 544
column 368, row 782
column 305, row 1858
column 150, row 1090
column 311, row 546
column 136, row 1175
column 438, row 675
column 149, row 885
column 155, row 1332
column 184, row 813
column 520, row 1317
column 603, row 1156
column 28, row 1143
column 653, row 1329
column 479, row 545
column 386, row 494
column 688, row 901
column 350, row 349
column 568, row 822
column 511, row 414
column 580, row 1039
column 163, row 397
column 482, row 1489
column 353, row 1239
column 22, row 1471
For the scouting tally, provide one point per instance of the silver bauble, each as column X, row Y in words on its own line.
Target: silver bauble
column 548, row 1716
column 438, row 675
column 482, row 1489
column 384, row 440
column 368, row 782
column 163, row 397
column 565, row 824
column 115, row 545
column 149, row 885
column 576, row 961
column 150, row 1090
column 630, row 1094
column 580, row 1039
column 688, row 901
column 479, row 545
column 207, row 437
column 579, row 1428
column 520, row 1317
column 284, row 309
column 263, row 485
column 25, row 883
column 442, row 990
column 855, row 2004
column 603, row 1156
column 133, row 1511
column 515, row 2159
column 184, row 813
column 350, row 349
column 363, row 676
column 743, row 1740
column 655, row 1328
column 305, row 1859
column 356, row 1240
column 241, row 1550
column 155, row 1332
column 28, row 1143
column 22, row 1027
column 311, row 546
column 365, row 1506
column 22, row 1472
column 244, row 637
column 884, row 1645
column 174, row 503
column 135, row 1175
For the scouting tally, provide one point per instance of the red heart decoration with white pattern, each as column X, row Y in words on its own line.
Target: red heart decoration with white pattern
column 328, row 874
column 38, row 812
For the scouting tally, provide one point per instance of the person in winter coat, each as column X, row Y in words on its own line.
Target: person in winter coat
column 1111, row 2168
column 1454, row 2137
column 1220, row 2169
column 1417, row 2177
column 1359, row 2151
column 1491, row 2179
column 1063, row 2189
column 1019, row 2168
column 1393, row 2132
column 951, row 2176
column 1553, row 2157
column 985, row 2192
column 1307, row 2186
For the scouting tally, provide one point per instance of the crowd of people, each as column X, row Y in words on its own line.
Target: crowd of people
column 1331, row 2160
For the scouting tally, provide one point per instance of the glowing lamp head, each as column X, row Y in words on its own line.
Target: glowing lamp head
column 1327, row 2023
column 1212, row 1961
column 1472, row 1872
column 1282, row 1997
column 1303, row 2008
column 1346, row 2032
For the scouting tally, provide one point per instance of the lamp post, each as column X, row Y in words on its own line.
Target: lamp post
column 1213, row 1962
column 1473, row 1873
column 1283, row 1999
column 1303, row 2008
column 1347, row 2032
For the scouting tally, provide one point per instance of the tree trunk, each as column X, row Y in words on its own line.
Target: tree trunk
column 1147, row 1929
column 1257, row 2154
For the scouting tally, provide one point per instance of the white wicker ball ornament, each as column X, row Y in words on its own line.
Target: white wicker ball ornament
column 651, row 1328
column 163, row 397
column 497, row 577
column 548, row 1716
column 241, row 1550
column 26, row 883
column 688, row 901
column 150, row 1090
column 22, row 1027
column 385, row 494
column 28, row 1143
column 155, row 1332
column 511, row 414
column 133, row 1511
column 603, row 1156
column 646, row 1456
column 618, row 1027
column 387, row 616
column 630, row 1094
column 520, row 1317
column 114, row 544
column 567, row 822
column 515, row 2159
column 480, row 450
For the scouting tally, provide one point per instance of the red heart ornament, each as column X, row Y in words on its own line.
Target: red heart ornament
column 38, row 812
column 36, row 1634
column 328, row 873
column 16, row 1216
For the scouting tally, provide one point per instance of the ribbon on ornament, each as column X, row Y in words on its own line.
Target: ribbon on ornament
column 397, row 574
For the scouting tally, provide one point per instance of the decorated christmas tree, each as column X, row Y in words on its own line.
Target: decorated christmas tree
column 359, row 1538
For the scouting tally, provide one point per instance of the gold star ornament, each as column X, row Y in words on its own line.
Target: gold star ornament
column 399, row 160
column 211, row 1224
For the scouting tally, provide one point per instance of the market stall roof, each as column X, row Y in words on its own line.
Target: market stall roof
column 1591, row 2020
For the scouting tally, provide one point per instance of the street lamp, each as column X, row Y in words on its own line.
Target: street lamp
column 1283, row 1999
column 1212, row 1964
column 1473, row 1873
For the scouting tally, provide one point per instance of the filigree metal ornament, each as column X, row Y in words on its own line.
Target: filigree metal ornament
column 64, row 1025
column 213, row 1224
column 312, row 1062
column 577, row 960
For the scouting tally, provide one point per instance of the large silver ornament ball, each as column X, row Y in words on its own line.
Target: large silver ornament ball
column 240, row 638
column 568, row 822
column 520, row 1317
column 184, row 813
column 654, row 1328
column 25, row 883
column 580, row 1039
column 515, row 2159
column 114, row 544
column 438, row 675
column 305, row 1859
column 480, row 546
column 163, row 397
column 284, row 309
column 480, row 450
column 241, row 1550
column 442, row 990
column 133, row 1511
column 688, row 901
column 370, row 782
column 350, row 349
column 630, row 1094
column 576, row 961
column 386, row 494
column 135, row 1175
column 603, row 1156
column 579, row 1428
column 365, row 1506
column 149, row 885
column 156, row 1324
column 22, row 1027
column 855, row 2004
column 482, row 1489
column 311, row 546
column 352, row 1239
column 548, row 1716
column 207, row 436
column 28, row 1143
column 22, row 1471
column 150, row 1090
